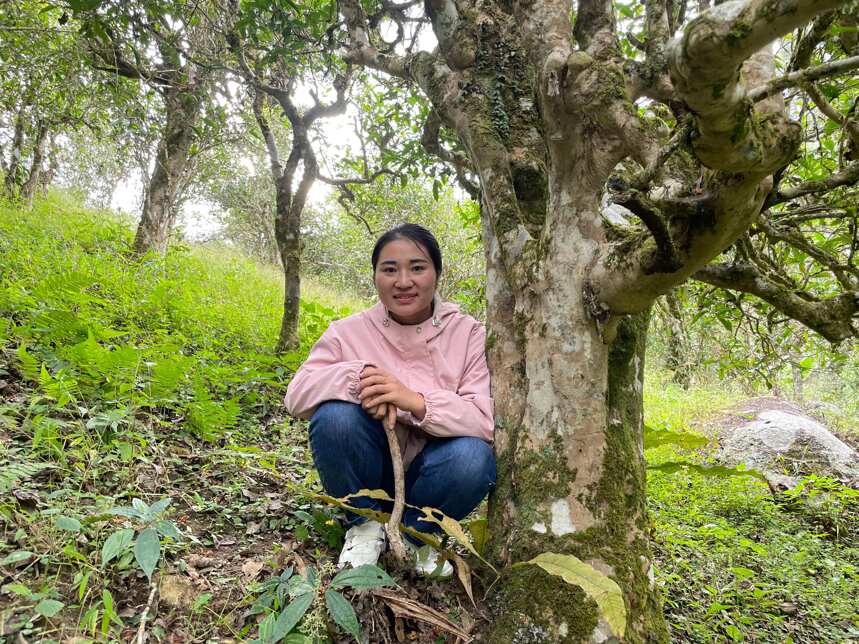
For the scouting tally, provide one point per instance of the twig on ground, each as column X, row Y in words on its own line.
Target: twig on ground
column 141, row 630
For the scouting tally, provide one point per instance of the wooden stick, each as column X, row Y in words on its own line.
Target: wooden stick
column 141, row 630
column 393, row 526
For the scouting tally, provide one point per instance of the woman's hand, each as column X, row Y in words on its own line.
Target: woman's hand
column 385, row 412
column 378, row 387
column 378, row 412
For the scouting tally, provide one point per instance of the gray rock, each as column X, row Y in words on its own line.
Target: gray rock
column 779, row 442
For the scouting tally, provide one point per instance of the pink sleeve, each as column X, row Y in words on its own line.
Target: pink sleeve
column 323, row 376
column 467, row 411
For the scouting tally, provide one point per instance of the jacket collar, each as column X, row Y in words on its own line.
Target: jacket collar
column 393, row 330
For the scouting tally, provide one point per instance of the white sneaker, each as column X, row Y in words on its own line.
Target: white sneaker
column 364, row 543
column 426, row 560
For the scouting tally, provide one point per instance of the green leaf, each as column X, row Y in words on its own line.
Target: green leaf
column 297, row 638
column 604, row 591
column 18, row 589
column 159, row 506
column 67, row 523
column 367, row 576
column 147, row 551
column 128, row 513
column 107, row 615
column 140, row 506
column 342, row 613
column 291, row 615
column 168, row 529
column 743, row 573
column 115, row 544
column 266, row 631
column 299, row 586
column 479, row 533
column 82, row 585
column 734, row 633
column 48, row 607
column 200, row 602
column 15, row 557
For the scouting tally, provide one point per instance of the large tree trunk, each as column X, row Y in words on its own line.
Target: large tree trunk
column 182, row 109
column 570, row 458
column 287, row 233
column 15, row 167
column 34, row 177
column 677, row 358
column 46, row 177
column 547, row 120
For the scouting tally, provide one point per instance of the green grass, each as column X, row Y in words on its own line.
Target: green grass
column 667, row 404
column 137, row 378
column 733, row 563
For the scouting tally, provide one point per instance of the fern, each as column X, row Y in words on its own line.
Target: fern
column 13, row 474
column 210, row 419
column 27, row 364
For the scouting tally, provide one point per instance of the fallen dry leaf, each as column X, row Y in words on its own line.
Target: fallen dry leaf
column 403, row 606
column 463, row 572
column 252, row 568
column 201, row 562
column 177, row 591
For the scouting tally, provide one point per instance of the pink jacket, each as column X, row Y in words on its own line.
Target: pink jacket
column 447, row 364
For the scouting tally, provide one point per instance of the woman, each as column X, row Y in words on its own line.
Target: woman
column 410, row 358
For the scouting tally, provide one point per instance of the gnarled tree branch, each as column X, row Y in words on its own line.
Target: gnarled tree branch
column 360, row 49
column 846, row 177
column 834, row 318
column 832, row 68
column 431, row 143
column 847, row 276
column 705, row 65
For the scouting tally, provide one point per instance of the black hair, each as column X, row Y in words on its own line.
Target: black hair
column 413, row 232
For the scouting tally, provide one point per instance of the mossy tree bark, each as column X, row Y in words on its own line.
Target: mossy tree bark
column 37, row 169
column 14, row 170
column 182, row 105
column 175, row 60
column 677, row 358
column 545, row 118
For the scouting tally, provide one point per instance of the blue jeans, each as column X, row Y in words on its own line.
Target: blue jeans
column 351, row 452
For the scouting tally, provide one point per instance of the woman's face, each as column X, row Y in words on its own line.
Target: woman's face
column 405, row 280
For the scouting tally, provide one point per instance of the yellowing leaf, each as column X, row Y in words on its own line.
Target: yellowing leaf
column 599, row 587
column 453, row 529
column 380, row 495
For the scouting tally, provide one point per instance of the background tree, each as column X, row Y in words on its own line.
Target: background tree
column 262, row 35
column 169, row 48
column 243, row 194
column 550, row 114
column 51, row 96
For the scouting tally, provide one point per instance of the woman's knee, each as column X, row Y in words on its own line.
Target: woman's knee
column 472, row 461
column 338, row 422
